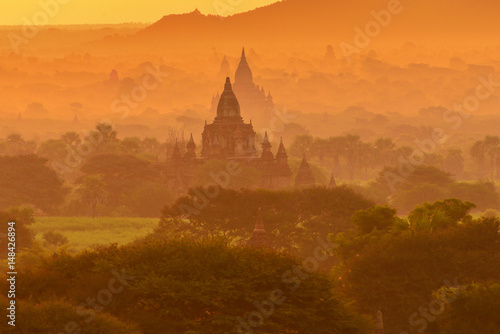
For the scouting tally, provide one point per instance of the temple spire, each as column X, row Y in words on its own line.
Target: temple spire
column 266, row 149
column 304, row 177
column 259, row 238
column 243, row 75
column 332, row 183
column 228, row 103
column 281, row 149
column 379, row 326
column 190, row 148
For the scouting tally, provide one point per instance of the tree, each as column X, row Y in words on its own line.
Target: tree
column 27, row 180
column 294, row 219
column 412, row 176
column 92, row 192
column 377, row 217
column 71, row 138
column 129, row 181
column 36, row 109
column 53, row 150
column 483, row 194
column 22, row 217
column 384, row 152
column 55, row 238
column 471, row 309
column 131, row 144
column 16, row 145
column 301, row 145
column 492, row 150
column 397, row 273
column 478, row 152
column 454, row 162
column 203, row 286
column 352, row 153
column 102, row 137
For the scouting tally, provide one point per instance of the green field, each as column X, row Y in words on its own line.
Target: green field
column 85, row 232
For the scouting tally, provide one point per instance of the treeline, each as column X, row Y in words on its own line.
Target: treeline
column 350, row 157
column 98, row 174
column 436, row 271
column 332, row 254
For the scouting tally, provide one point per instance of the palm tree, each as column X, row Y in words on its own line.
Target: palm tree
column 421, row 222
column 384, row 152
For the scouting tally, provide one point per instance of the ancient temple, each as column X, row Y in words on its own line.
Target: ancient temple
column 225, row 69
column 259, row 238
column 252, row 98
column 228, row 137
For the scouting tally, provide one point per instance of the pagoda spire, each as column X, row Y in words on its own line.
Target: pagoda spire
column 266, row 149
column 259, row 238
column 332, row 183
column 243, row 73
column 305, row 176
column 228, row 103
column 281, row 150
column 190, row 148
column 379, row 326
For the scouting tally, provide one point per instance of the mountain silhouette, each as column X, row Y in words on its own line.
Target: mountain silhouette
column 328, row 22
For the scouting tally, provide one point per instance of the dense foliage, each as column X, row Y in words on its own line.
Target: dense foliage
column 25, row 179
column 474, row 311
column 397, row 270
column 184, row 286
column 293, row 218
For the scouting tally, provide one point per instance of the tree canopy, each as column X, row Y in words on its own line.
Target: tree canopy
column 26, row 179
column 205, row 286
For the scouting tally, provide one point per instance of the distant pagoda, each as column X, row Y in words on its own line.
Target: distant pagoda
column 259, row 238
column 305, row 176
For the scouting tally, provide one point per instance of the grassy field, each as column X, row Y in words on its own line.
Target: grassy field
column 85, row 232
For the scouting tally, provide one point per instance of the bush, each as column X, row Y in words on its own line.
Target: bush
column 55, row 238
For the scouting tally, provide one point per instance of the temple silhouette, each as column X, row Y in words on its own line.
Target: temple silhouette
column 229, row 137
column 252, row 98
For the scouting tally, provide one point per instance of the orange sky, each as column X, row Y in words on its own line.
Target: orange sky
column 118, row 11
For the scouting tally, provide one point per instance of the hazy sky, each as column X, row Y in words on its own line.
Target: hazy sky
column 114, row 11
